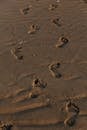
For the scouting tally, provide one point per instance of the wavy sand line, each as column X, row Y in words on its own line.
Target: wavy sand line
column 76, row 97
column 21, row 98
column 83, row 113
column 21, row 77
column 80, row 96
column 15, row 93
column 37, row 122
column 71, row 77
column 34, row 93
column 32, row 106
column 43, row 122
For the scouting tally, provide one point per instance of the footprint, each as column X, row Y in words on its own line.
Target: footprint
column 16, row 52
column 53, row 68
column 6, row 126
column 35, row 92
column 85, row 1
column 70, row 120
column 25, row 11
column 62, row 41
column 38, row 83
column 53, row 6
column 71, row 107
column 33, row 29
column 56, row 21
column 72, row 112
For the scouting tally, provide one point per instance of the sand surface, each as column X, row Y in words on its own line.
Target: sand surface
column 30, row 48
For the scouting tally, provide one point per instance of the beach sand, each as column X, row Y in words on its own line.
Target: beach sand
column 43, row 64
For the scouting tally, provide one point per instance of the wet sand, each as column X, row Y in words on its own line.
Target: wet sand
column 43, row 64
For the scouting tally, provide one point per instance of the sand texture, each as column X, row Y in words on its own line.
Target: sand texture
column 43, row 64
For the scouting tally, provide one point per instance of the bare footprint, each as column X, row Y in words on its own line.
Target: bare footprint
column 56, row 21
column 53, row 6
column 16, row 52
column 6, row 126
column 25, row 11
column 72, row 112
column 70, row 120
column 71, row 107
column 53, row 68
column 36, row 92
column 33, row 29
column 62, row 41
column 38, row 83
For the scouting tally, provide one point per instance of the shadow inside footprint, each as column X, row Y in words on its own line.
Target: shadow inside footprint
column 53, row 6
column 25, row 11
column 72, row 107
column 70, row 121
column 85, row 1
column 62, row 42
column 38, row 83
column 6, row 127
column 16, row 52
column 56, row 21
column 53, row 68
column 72, row 113
column 35, row 92
column 33, row 29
